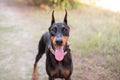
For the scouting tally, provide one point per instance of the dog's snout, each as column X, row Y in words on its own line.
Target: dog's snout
column 59, row 41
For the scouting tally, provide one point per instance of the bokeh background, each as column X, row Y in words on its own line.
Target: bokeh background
column 94, row 37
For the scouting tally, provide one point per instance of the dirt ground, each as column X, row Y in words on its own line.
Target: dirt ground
column 20, row 30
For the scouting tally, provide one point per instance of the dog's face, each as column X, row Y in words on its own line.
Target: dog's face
column 59, row 34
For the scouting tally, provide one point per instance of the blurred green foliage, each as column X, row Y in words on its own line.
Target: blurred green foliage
column 69, row 4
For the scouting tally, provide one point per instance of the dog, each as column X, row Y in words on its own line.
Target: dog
column 58, row 54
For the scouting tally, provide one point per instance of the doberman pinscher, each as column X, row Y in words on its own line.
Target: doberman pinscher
column 58, row 54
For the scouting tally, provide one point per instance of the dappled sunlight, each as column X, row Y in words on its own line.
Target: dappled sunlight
column 113, row 5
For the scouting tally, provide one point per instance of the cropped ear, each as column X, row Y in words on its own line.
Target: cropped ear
column 53, row 19
column 65, row 18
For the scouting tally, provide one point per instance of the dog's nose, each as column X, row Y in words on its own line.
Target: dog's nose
column 59, row 41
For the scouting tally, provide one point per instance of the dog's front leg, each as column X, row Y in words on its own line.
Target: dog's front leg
column 41, row 51
column 34, row 75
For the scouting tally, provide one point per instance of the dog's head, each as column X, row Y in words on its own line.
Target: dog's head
column 59, row 34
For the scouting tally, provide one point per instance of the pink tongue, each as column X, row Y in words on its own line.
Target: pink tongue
column 59, row 54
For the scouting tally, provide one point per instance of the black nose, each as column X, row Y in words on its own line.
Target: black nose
column 59, row 41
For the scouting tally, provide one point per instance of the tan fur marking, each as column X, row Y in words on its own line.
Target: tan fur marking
column 53, row 40
column 63, row 26
column 65, row 39
column 34, row 75
column 52, row 73
column 66, row 72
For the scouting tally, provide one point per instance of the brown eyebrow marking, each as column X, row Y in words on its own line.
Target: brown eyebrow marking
column 63, row 26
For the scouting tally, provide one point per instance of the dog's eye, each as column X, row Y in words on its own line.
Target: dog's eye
column 53, row 31
column 65, row 31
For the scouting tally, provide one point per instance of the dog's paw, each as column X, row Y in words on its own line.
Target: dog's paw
column 34, row 78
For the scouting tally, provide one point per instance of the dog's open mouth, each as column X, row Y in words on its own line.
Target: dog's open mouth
column 59, row 53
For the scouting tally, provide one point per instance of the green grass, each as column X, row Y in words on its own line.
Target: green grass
column 6, row 28
column 96, row 33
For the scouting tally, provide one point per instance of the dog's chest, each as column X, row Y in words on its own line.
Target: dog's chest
column 61, row 71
